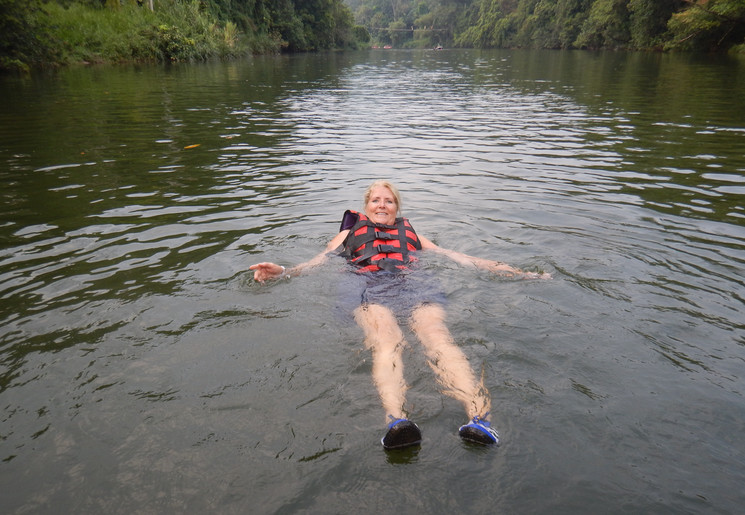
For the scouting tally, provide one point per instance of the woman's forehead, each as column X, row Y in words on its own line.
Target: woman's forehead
column 381, row 191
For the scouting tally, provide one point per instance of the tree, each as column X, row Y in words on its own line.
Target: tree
column 648, row 20
column 494, row 26
column 23, row 29
column 709, row 25
column 398, row 33
column 607, row 25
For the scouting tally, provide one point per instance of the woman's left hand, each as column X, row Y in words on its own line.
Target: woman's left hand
column 507, row 270
column 264, row 271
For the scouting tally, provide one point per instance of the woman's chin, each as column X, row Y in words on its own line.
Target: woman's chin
column 383, row 220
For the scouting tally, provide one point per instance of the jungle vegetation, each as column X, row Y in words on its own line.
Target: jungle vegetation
column 44, row 32
column 690, row 25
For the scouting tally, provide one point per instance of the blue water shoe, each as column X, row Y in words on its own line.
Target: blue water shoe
column 479, row 431
column 401, row 433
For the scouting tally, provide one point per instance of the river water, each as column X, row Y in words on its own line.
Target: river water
column 143, row 371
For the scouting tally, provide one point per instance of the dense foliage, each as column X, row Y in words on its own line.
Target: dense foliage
column 298, row 24
column 22, row 33
column 708, row 25
column 61, row 31
column 414, row 23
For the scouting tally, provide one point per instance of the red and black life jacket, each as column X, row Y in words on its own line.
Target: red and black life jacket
column 372, row 246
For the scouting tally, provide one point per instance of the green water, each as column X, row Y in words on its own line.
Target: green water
column 142, row 370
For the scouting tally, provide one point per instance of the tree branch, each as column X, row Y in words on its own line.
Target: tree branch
column 698, row 5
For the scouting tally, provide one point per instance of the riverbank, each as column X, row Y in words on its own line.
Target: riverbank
column 36, row 34
column 178, row 32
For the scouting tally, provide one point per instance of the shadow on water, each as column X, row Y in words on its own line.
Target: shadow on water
column 142, row 370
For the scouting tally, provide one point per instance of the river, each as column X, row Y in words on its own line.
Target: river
column 142, row 370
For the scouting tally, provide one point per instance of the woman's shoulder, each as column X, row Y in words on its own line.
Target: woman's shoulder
column 337, row 240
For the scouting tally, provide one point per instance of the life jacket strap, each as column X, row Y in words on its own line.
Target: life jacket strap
column 375, row 250
column 380, row 235
column 390, row 265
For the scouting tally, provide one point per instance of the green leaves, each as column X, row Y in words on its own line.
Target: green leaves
column 23, row 34
column 708, row 25
column 607, row 26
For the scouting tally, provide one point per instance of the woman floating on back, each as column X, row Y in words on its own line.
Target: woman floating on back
column 382, row 246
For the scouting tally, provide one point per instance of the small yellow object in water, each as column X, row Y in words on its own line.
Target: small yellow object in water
column 192, row 146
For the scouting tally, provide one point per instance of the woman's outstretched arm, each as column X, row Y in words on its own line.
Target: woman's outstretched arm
column 485, row 264
column 267, row 270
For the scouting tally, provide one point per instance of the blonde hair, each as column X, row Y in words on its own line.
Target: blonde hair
column 384, row 184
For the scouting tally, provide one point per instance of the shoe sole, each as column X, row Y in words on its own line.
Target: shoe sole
column 471, row 434
column 403, row 434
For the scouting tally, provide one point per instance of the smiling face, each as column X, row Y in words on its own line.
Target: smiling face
column 381, row 207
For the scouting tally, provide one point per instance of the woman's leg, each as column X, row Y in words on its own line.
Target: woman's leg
column 448, row 360
column 385, row 339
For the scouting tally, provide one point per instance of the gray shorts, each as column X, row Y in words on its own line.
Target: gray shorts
column 401, row 292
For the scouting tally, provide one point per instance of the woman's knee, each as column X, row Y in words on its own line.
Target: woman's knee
column 380, row 326
column 428, row 320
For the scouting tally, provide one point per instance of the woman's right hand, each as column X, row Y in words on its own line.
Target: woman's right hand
column 264, row 271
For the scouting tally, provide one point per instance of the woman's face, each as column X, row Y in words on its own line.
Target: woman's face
column 382, row 207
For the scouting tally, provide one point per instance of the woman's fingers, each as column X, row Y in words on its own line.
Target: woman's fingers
column 264, row 271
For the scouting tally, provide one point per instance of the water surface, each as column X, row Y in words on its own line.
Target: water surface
column 142, row 370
